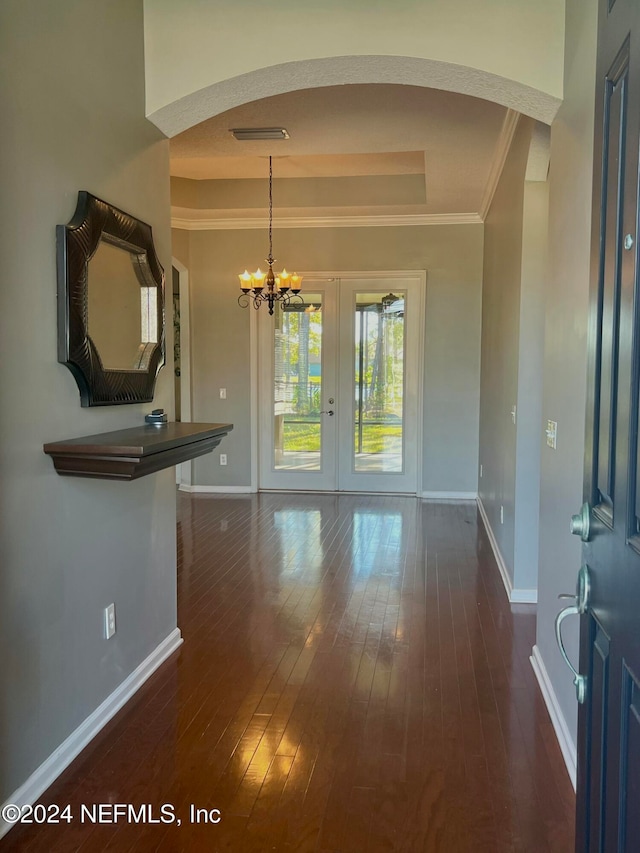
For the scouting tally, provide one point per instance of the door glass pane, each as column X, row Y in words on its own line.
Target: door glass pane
column 297, row 427
column 379, row 382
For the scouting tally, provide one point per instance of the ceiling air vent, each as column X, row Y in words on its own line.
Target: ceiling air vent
column 250, row 133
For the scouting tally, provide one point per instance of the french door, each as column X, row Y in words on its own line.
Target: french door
column 340, row 383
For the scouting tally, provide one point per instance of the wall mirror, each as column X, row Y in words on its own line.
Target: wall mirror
column 110, row 304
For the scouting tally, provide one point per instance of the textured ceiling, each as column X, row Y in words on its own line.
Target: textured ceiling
column 356, row 130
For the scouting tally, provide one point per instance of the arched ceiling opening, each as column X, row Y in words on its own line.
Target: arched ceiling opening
column 418, row 132
column 200, row 105
column 204, row 58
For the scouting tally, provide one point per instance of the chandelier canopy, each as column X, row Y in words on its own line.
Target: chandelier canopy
column 269, row 287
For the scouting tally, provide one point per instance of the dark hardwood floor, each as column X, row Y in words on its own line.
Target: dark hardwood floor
column 352, row 678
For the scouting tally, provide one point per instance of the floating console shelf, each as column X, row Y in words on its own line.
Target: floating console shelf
column 127, row 454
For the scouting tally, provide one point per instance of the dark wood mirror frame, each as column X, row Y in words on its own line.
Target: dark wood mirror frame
column 94, row 221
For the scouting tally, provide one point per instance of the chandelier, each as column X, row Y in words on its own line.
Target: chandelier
column 259, row 287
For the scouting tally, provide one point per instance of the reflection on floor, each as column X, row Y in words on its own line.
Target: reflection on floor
column 352, row 679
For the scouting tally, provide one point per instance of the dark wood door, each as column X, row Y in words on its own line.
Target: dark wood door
column 608, row 815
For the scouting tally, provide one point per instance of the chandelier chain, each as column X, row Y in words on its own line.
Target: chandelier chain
column 270, row 209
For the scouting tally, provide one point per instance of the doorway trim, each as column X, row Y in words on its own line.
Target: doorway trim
column 184, row 471
column 353, row 275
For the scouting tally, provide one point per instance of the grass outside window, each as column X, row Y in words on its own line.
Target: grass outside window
column 304, row 437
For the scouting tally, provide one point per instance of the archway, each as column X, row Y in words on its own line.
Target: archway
column 191, row 109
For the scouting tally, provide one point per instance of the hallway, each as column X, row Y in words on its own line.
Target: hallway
column 352, row 678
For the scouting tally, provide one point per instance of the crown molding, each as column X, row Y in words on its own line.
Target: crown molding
column 186, row 222
column 500, row 153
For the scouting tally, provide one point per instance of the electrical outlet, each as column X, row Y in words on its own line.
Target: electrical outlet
column 501, row 515
column 109, row 621
column 223, row 393
column 223, row 458
column 552, row 434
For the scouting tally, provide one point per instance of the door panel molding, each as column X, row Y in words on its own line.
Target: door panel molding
column 629, row 814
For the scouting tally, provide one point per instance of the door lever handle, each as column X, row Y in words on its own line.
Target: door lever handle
column 580, row 681
column 327, row 412
column 579, row 606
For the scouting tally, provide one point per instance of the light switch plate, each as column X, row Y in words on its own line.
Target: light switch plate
column 552, row 434
column 109, row 621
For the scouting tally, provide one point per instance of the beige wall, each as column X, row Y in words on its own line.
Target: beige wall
column 355, row 191
column 180, row 246
column 73, row 110
column 505, row 52
column 529, row 429
column 501, row 344
column 564, row 297
column 452, row 256
column 567, row 296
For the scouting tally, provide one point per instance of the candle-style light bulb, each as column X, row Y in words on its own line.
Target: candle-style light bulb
column 245, row 281
column 285, row 280
column 258, row 279
column 296, row 282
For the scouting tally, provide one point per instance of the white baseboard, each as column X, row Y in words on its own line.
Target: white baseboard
column 61, row 758
column 502, row 566
column 523, row 596
column 514, row 594
column 567, row 743
column 217, row 490
column 449, row 496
